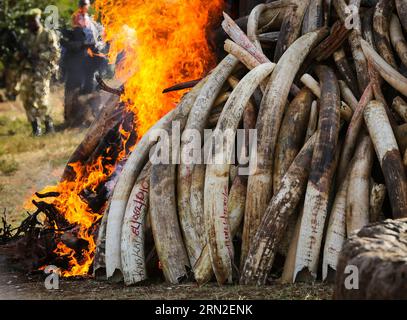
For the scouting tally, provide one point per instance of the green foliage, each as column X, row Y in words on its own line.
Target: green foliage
column 12, row 19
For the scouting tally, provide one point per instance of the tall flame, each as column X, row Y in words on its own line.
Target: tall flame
column 159, row 43
column 164, row 42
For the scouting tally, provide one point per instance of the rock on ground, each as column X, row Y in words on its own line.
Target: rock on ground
column 376, row 256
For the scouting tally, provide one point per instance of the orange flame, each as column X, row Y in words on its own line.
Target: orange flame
column 164, row 42
column 161, row 42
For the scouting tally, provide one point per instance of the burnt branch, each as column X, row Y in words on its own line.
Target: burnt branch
column 103, row 86
column 182, row 86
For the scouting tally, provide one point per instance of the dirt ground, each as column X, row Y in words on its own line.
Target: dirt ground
column 28, row 164
column 15, row 285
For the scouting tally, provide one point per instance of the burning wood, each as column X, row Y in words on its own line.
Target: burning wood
column 116, row 207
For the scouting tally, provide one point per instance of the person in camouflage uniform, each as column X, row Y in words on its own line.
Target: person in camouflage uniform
column 12, row 77
column 39, row 63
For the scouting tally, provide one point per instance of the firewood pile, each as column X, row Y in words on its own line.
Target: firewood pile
column 321, row 83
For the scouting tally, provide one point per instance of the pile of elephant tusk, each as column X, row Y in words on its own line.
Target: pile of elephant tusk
column 324, row 97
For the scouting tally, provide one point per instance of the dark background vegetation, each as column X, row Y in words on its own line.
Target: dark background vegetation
column 12, row 18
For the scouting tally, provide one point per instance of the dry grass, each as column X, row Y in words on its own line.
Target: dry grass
column 27, row 164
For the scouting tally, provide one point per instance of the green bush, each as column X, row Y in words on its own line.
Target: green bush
column 12, row 19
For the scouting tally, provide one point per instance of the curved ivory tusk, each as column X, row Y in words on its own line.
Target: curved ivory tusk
column 357, row 201
column 99, row 264
column 203, row 268
column 253, row 25
column 400, row 106
column 352, row 134
column 311, row 84
column 314, row 17
column 121, row 194
column 367, row 26
column 394, row 78
column 268, row 125
column 164, row 221
column 377, row 195
column 244, row 57
column 220, row 100
column 241, row 54
column 128, row 176
column 401, row 6
column 268, row 37
column 397, row 39
column 313, row 120
column 243, row 43
column 347, row 95
column 346, row 112
column 291, row 135
column 289, row 263
column 291, row 27
column 336, row 233
column 322, row 170
column 217, row 175
column 345, row 70
column 236, row 202
column 197, row 201
column 354, row 38
column 381, row 20
column 388, row 153
column 163, row 201
column 238, row 36
column 400, row 133
column 196, row 122
column 265, row 243
column 133, row 230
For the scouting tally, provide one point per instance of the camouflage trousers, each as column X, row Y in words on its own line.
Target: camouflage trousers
column 35, row 93
column 12, row 81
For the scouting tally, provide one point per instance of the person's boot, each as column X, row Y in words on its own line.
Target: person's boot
column 36, row 126
column 49, row 126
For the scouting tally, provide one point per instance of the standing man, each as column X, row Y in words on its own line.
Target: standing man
column 93, row 44
column 83, row 58
column 39, row 62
